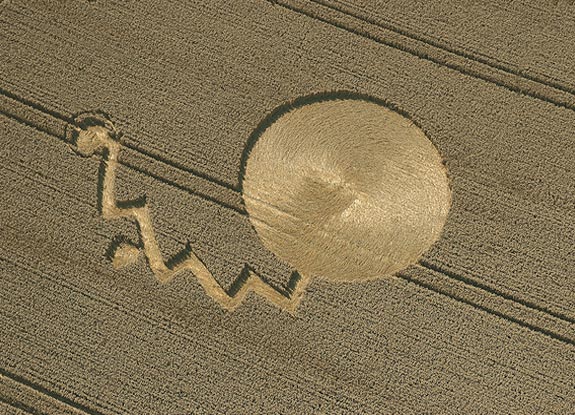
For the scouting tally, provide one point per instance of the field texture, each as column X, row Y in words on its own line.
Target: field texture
column 483, row 323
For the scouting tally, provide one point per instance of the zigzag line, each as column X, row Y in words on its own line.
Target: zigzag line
column 99, row 138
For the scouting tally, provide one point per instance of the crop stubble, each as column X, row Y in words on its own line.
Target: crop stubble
column 483, row 324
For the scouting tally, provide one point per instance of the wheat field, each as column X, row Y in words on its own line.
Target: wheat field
column 135, row 278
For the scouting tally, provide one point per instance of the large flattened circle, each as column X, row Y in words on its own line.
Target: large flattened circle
column 346, row 190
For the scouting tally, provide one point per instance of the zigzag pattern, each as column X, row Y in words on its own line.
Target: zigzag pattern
column 99, row 138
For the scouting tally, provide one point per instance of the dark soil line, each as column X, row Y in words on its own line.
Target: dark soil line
column 470, row 281
column 131, row 166
column 146, row 153
column 496, row 313
column 446, row 48
column 426, row 56
column 161, row 159
column 51, row 394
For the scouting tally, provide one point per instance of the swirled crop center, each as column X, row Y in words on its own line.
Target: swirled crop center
column 346, row 190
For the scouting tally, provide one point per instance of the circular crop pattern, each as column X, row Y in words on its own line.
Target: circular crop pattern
column 346, row 189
